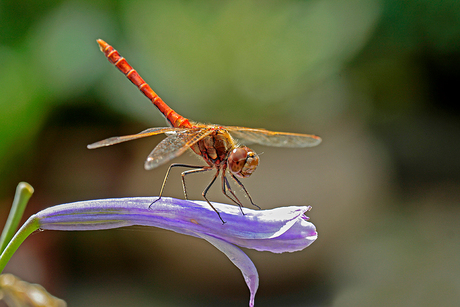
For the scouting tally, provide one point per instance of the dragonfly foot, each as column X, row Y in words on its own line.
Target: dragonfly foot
column 256, row 206
column 154, row 202
column 223, row 222
column 218, row 214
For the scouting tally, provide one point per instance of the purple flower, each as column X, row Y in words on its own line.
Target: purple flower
column 284, row 229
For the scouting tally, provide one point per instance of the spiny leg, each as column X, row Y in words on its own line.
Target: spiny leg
column 225, row 186
column 198, row 169
column 166, row 178
column 244, row 189
column 225, row 183
column 193, row 171
column 206, row 191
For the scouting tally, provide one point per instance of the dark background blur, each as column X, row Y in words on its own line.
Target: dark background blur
column 377, row 80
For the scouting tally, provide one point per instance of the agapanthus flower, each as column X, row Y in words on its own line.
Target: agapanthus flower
column 283, row 229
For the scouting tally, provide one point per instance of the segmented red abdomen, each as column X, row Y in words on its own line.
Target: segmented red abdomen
column 120, row 62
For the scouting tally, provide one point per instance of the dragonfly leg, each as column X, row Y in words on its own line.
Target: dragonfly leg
column 206, row 192
column 244, row 189
column 199, row 170
column 225, row 186
column 166, row 178
column 193, row 171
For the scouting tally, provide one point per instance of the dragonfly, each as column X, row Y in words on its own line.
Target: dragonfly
column 216, row 144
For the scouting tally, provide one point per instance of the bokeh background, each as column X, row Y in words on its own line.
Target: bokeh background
column 377, row 80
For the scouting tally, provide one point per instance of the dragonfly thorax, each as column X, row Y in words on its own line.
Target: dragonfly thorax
column 214, row 148
column 242, row 161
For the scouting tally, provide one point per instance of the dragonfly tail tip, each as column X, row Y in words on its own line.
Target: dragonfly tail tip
column 102, row 44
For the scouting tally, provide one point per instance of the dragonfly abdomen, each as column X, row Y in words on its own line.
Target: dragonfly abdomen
column 120, row 62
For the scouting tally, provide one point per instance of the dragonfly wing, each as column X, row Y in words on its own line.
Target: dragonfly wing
column 143, row 134
column 173, row 146
column 272, row 138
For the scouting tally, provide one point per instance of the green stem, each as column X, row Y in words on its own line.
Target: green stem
column 23, row 193
column 31, row 225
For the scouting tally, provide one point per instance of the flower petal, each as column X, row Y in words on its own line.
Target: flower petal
column 278, row 230
column 240, row 260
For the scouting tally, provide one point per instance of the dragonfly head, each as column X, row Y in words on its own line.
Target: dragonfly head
column 242, row 162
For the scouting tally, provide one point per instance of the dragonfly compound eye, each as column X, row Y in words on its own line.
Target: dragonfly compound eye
column 242, row 162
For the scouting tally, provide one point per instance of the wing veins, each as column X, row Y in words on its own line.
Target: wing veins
column 273, row 138
column 119, row 139
column 173, row 146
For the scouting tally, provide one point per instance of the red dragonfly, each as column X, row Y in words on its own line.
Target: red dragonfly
column 214, row 143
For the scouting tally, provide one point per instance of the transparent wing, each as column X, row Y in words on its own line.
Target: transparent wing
column 271, row 138
column 143, row 134
column 174, row 145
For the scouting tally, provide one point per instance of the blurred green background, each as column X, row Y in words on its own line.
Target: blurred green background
column 377, row 80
